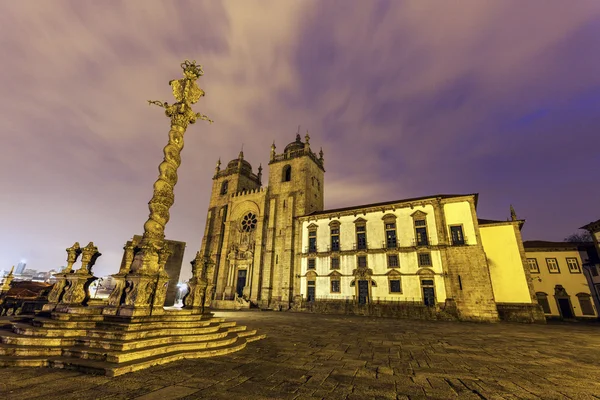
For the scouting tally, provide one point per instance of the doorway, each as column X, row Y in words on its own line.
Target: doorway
column 241, row 282
column 564, row 305
column 363, row 292
column 310, row 293
column 428, row 292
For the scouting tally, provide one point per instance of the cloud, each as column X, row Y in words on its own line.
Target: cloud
column 406, row 99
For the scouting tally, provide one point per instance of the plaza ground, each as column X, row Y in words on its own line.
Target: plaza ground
column 313, row 356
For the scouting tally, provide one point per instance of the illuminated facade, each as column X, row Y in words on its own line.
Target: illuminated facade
column 277, row 247
column 558, row 271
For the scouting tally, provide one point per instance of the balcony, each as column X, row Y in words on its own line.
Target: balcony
column 423, row 242
column 462, row 241
column 387, row 244
column 310, row 250
column 360, row 246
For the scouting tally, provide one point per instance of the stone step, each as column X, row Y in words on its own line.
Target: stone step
column 135, row 354
column 123, row 327
column 120, row 345
column 8, row 337
column 255, row 337
column 114, row 369
column 29, row 351
column 28, row 361
column 166, row 317
column 62, row 324
column 29, row 330
column 150, row 333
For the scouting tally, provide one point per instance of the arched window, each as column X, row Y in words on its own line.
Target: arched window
column 224, row 187
column 542, row 299
column 585, row 303
column 287, row 173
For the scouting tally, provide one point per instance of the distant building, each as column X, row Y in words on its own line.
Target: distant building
column 20, row 268
column 593, row 264
column 559, row 281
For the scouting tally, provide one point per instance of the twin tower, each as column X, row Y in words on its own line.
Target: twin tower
column 252, row 236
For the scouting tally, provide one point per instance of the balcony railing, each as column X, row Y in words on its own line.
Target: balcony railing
column 459, row 241
column 360, row 246
column 422, row 242
column 389, row 245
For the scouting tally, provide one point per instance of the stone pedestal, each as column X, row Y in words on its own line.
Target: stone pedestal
column 228, row 292
column 195, row 298
column 77, row 294
column 144, row 294
column 57, row 292
column 117, row 296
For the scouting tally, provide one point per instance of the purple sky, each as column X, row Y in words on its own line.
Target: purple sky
column 407, row 99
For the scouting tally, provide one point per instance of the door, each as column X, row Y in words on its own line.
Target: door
column 241, row 282
column 565, row 307
column 363, row 292
column 310, row 293
column 428, row 292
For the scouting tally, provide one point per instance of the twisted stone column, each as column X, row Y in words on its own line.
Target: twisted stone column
column 146, row 281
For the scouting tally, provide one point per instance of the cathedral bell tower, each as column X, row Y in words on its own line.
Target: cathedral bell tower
column 296, row 188
column 236, row 177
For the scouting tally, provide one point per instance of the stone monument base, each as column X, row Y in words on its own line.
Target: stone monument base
column 112, row 345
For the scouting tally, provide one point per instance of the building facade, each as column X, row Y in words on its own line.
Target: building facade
column 277, row 247
column 559, row 278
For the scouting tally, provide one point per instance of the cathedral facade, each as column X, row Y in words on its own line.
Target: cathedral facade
column 276, row 247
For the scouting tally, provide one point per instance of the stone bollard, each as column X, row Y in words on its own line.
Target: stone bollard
column 77, row 294
column 60, row 285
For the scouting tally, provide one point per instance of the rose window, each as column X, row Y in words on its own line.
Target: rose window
column 249, row 222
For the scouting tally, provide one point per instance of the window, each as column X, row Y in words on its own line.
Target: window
column 456, row 234
column 361, row 237
column 312, row 241
column 224, row 187
column 249, row 222
column 573, row 266
column 585, row 303
column 335, row 263
column 424, row 259
column 390, row 236
column 421, row 232
column 594, row 270
column 335, row 238
column 542, row 299
column 287, row 173
column 395, row 286
column 393, row 261
column 552, row 264
column 311, row 263
column 335, row 286
column 533, row 266
column 362, row 261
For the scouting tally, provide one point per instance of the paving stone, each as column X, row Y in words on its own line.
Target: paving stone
column 168, row 393
column 312, row 356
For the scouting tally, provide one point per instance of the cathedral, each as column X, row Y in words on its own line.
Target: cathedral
column 277, row 247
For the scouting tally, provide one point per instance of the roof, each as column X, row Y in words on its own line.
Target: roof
column 541, row 244
column 489, row 221
column 385, row 203
column 591, row 225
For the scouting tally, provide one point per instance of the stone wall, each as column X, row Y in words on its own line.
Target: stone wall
column 526, row 313
column 407, row 310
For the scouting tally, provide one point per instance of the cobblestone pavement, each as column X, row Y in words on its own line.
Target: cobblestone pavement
column 311, row 356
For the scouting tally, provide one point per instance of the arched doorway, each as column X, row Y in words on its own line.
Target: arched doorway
column 563, row 300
